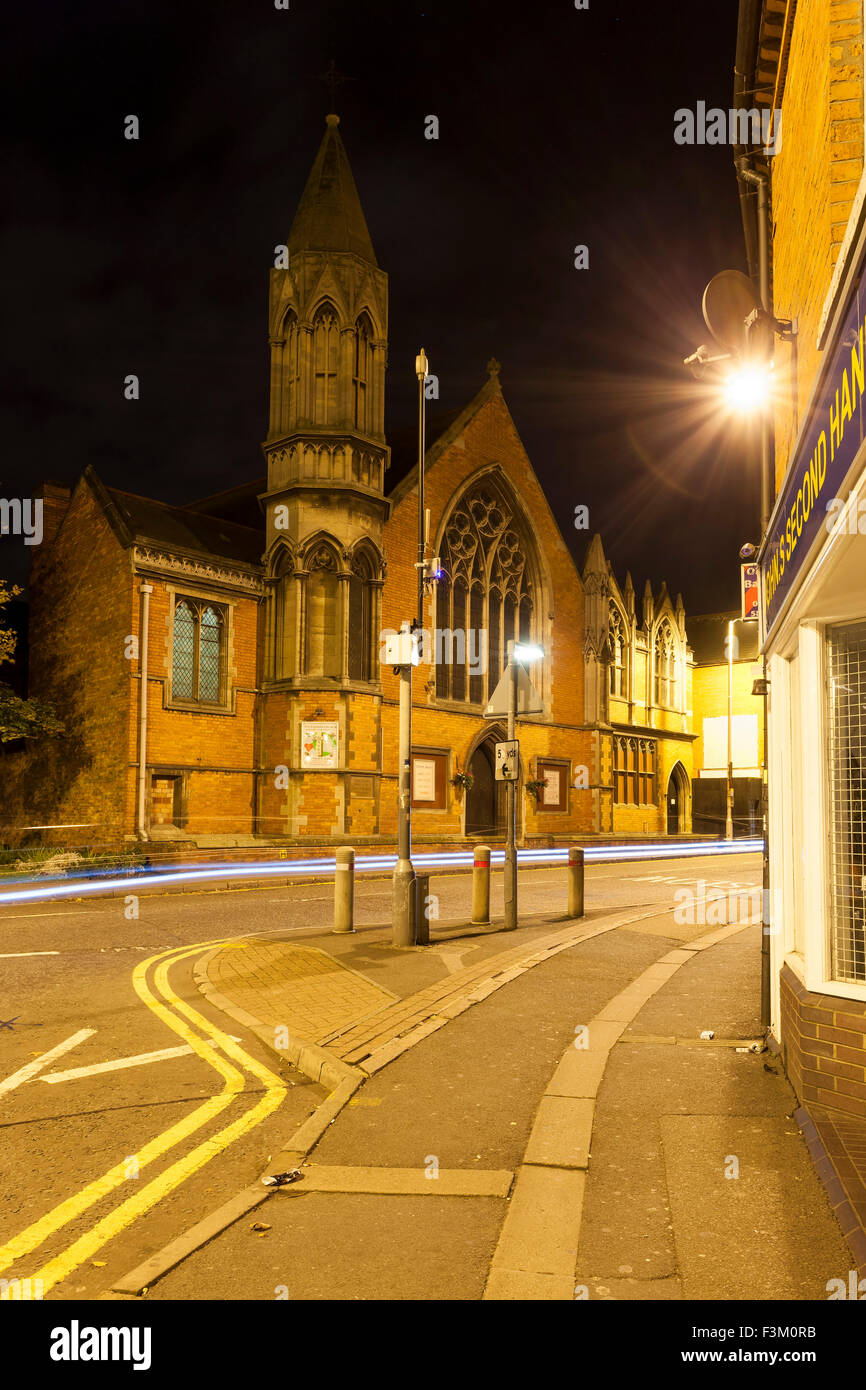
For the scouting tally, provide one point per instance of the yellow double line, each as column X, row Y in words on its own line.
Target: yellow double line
column 122, row 1216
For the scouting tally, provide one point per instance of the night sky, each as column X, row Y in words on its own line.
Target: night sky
column 556, row 129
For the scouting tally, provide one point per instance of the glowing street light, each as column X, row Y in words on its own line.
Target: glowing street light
column 747, row 388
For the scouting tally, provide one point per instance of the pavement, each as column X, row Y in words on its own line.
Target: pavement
column 496, row 1116
column 512, row 1152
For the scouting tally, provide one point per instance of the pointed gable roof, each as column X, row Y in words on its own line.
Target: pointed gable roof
column 329, row 215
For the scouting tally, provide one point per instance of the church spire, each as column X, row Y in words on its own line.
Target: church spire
column 329, row 215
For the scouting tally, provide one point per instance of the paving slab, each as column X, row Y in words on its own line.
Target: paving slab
column 749, row 1217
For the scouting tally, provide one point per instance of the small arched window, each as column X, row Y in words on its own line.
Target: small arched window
column 198, row 652
column 362, row 374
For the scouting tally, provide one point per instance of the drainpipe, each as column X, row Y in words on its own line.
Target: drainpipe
column 749, row 175
column 145, row 590
column 761, row 178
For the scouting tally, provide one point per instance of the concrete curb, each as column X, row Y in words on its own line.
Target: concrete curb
column 306, row 1057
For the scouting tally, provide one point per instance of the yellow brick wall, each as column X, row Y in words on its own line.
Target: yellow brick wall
column 711, row 700
column 815, row 177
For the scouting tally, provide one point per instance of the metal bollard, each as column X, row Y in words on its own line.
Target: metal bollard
column 575, row 881
column 344, row 891
column 481, row 885
column 422, row 921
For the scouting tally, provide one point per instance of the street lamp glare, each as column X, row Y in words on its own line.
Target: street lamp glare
column 525, row 651
column 747, row 388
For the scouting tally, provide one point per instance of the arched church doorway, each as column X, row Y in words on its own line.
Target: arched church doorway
column 678, row 786
column 485, row 799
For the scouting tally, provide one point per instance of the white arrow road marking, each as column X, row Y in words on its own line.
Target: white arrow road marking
column 33, row 1068
column 140, row 1060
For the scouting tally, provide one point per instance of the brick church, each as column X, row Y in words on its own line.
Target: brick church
column 217, row 664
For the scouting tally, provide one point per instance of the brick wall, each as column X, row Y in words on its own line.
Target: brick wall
column 490, row 437
column 217, row 749
column 81, row 612
column 824, row 1047
column 710, row 700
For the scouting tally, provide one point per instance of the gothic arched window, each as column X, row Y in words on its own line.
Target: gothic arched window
column 323, row 625
column 285, row 601
column 618, row 677
column 362, row 374
column 326, row 357
column 666, row 682
column 290, row 376
column 361, row 619
column 486, row 598
column 198, row 649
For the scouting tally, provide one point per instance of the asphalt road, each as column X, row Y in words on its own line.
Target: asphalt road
column 101, row 1169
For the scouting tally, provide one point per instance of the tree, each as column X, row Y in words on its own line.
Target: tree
column 20, row 718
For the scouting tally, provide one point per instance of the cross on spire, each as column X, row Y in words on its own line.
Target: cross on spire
column 333, row 78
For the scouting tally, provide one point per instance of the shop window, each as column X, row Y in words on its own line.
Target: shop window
column 847, row 658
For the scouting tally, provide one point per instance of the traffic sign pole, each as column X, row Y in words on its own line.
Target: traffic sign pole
column 510, row 877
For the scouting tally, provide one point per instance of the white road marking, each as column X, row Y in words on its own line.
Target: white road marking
column 33, row 1068
column 140, row 1060
column 15, row 955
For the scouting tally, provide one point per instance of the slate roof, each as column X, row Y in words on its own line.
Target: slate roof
column 179, row 528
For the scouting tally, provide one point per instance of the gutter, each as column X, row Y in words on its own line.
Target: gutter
column 744, row 93
column 145, row 590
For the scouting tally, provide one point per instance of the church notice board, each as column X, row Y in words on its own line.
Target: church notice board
column 320, row 743
column 555, row 794
column 428, row 781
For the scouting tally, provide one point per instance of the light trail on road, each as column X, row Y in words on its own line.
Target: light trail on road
column 94, row 884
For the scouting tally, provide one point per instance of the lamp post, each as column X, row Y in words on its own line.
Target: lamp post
column 404, row 908
column 421, row 373
column 518, row 654
column 729, row 819
column 403, row 895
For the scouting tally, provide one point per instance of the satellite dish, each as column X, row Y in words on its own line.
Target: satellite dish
column 728, row 300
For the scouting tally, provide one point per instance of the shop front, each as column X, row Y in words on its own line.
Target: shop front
column 813, row 582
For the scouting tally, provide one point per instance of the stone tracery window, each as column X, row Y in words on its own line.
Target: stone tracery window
column 323, row 610
column 323, row 625
column 666, row 678
column 486, row 597
column 618, row 669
